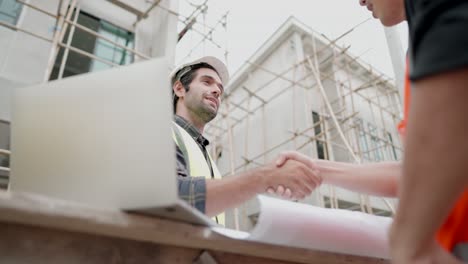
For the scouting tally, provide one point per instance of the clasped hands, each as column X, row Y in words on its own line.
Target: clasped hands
column 293, row 176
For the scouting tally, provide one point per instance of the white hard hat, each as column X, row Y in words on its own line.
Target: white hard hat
column 214, row 62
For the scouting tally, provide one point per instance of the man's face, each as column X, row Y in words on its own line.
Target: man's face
column 390, row 12
column 204, row 95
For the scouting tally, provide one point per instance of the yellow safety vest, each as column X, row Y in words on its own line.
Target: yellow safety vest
column 195, row 160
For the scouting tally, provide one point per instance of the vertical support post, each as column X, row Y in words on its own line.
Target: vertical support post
column 69, row 42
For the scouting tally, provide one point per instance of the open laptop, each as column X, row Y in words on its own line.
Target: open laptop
column 102, row 139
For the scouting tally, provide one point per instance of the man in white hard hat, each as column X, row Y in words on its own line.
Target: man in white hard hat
column 197, row 90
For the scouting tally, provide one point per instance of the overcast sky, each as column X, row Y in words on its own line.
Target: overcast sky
column 251, row 22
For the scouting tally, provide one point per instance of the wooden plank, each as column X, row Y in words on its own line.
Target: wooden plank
column 29, row 244
column 66, row 216
column 228, row 258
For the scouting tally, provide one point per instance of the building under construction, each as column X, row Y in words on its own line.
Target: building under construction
column 301, row 91
column 298, row 91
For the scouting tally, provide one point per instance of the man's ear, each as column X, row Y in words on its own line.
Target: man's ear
column 179, row 89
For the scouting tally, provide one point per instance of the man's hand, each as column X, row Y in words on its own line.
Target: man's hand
column 234, row 190
column 285, row 191
column 294, row 155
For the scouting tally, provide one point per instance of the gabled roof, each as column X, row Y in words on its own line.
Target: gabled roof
column 290, row 26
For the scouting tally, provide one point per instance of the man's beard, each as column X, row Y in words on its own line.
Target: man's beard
column 204, row 112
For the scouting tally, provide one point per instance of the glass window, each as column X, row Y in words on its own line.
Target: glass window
column 111, row 52
column 376, row 143
column 392, row 146
column 326, row 201
column 4, row 142
column 4, row 159
column 78, row 64
column 10, row 11
column 363, row 144
column 321, row 146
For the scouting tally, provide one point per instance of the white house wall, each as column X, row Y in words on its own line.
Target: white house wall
column 24, row 58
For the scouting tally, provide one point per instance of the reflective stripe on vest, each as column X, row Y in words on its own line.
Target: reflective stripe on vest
column 406, row 98
column 195, row 160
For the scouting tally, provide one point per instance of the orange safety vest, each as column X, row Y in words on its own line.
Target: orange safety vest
column 406, row 100
column 454, row 231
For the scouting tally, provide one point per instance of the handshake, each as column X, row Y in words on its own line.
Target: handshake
column 292, row 176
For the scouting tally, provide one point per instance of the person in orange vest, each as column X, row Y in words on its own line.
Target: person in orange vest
column 432, row 182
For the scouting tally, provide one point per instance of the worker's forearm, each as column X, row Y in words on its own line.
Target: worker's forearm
column 233, row 190
column 435, row 168
column 377, row 179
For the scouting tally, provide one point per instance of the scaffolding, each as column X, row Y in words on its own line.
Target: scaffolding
column 336, row 128
column 66, row 21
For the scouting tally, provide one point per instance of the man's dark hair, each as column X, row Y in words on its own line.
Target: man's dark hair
column 188, row 74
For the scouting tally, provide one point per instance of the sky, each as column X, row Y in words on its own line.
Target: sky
column 251, row 23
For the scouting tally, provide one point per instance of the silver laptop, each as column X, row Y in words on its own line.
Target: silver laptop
column 102, row 139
